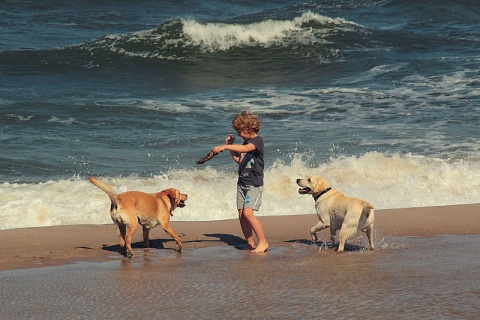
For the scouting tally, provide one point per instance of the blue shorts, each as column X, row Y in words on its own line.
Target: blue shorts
column 249, row 197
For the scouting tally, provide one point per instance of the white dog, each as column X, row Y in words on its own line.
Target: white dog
column 338, row 212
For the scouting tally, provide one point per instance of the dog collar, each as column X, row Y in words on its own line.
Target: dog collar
column 166, row 193
column 321, row 193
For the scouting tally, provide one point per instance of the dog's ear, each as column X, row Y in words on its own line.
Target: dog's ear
column 172, row 193
column 319, row 184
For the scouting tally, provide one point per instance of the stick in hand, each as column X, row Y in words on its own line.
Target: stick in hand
column 209, row 156
column 229, row 140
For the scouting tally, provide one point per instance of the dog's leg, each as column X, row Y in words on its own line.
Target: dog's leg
column 343, row 238
column 313, row 231
column 131, row 228
column 168, row 229
column 370, row 213
column 146, row 239
column 122, row 230
column 369, row 233
column 349, row 227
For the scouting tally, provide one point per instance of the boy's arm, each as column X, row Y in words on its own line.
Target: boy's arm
column 235, row 150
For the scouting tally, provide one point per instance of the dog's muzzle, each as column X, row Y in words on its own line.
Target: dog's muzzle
column 304, row 190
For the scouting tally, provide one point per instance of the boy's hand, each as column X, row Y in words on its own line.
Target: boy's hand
column 218, row 149
column 229, row 139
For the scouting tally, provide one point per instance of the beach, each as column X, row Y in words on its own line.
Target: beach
column 425, row 265
column 381, row 98
column 58, row 245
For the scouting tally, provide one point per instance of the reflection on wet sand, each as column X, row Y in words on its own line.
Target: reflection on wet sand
column 408, row 277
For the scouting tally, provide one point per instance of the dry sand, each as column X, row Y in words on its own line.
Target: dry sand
column 60, row 245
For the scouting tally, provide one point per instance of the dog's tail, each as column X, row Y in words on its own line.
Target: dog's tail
column 369, row 212
column 107, row 189
column 368, row 209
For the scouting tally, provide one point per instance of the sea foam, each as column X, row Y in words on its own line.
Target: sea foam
column 385, row 181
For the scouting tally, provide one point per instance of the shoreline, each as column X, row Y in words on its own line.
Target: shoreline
column 62, row 245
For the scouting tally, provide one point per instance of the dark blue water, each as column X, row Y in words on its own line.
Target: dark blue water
column 379, row 96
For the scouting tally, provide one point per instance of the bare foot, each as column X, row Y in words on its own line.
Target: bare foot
column 247, row 247
column 262, row 247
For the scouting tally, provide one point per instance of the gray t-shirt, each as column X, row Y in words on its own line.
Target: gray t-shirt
column 250, row 168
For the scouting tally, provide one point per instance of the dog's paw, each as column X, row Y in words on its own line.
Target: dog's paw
column 179, row 249
column 129, row 255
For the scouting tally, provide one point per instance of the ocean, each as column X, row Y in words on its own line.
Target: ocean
column 380, row 97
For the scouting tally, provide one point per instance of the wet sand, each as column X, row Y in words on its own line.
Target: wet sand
column 426, row 266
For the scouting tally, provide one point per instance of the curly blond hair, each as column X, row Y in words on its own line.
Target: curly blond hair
column 246, row 121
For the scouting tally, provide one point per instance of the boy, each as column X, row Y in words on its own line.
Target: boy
column 249, row 156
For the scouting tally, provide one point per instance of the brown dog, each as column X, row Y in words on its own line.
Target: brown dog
column 338, row 212
column 130, row 208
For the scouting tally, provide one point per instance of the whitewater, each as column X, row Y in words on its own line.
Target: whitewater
column 387, row 182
